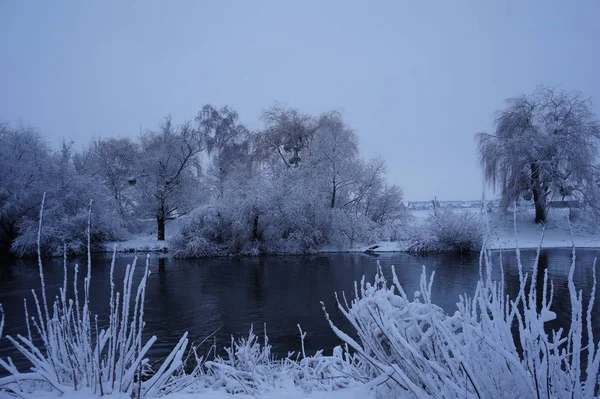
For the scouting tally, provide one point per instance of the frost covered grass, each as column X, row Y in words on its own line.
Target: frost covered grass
column 401, row 346
column 492, row 346
column 69, row 352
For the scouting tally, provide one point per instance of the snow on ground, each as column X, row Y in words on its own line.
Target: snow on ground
column 146, row 239
column 288, row 392
column 556, row 232
column 502, row 234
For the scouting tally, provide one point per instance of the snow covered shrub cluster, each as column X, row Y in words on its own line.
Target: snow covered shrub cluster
column 217, row 231
column 203, row 234
column 68, row 349
column 249, row 368
column 290, row 227
column 67, row 228
column 273, row 216
column 348, row 229
column 450, row 230
column 411, row 347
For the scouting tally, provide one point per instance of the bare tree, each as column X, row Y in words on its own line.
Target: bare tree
column 371, row 181
column 545, row 143
column 168, row 183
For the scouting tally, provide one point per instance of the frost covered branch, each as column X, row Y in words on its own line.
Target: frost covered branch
column 474, row 352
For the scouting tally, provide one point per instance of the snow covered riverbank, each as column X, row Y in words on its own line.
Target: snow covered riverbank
column 556, row 233
column 501, row 236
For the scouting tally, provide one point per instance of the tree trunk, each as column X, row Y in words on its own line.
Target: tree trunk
column 161, row 228
column 333, row 194
column 540, row 207
column 255, row 231
column 539, row 198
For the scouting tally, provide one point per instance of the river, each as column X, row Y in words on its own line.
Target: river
column 228, row 295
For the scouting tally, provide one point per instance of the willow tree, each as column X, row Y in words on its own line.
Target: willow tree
column 288, row 133
column 543, row 144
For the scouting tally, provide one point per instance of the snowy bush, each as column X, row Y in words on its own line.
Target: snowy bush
column 397, row 229
column 259, row 221
column 449, row 230
column 411, row 347
column 204, row 234
column 287, row 227
column 297, row 226
column 349, row 229
column 65, row 231
column 76, row 353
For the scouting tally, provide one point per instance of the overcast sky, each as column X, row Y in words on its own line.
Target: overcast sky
column 415, row 79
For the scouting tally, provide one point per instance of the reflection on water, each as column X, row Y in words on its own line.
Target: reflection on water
column 228, row 295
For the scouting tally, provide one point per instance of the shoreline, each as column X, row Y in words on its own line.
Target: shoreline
column 359, row 250
column 557, row 234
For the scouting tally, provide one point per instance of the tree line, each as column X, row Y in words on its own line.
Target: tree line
column 296, row 184
column 293, row 186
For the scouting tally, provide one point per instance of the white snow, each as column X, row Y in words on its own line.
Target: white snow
column 502, row 233
column 146, row 240
column 556, row 232
column 288, row 392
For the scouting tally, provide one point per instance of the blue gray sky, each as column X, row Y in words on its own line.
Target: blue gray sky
column 415, row 79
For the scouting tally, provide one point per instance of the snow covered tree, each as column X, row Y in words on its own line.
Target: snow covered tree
column 336, row 154
column 385, row 204
column 69, row 190
column 288, row 133
column 371, row 181
column 543, row 144
column 113, row 161
column 24, row 166
column 168, row 172
column 227, row 144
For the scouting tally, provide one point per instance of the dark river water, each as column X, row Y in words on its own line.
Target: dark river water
column 229, row 295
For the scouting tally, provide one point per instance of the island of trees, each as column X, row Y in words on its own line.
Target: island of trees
column 296, row 185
